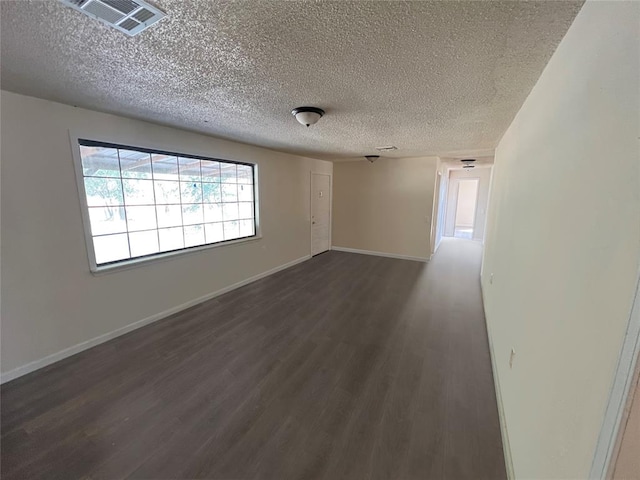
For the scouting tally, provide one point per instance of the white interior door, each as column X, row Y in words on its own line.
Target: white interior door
column 320, row 213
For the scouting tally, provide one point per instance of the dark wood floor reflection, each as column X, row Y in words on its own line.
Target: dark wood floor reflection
column 344, row 367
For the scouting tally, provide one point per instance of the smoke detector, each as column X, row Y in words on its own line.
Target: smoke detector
column 307, row 115
column 372, row 158
column 128, row 16
column 387, row 148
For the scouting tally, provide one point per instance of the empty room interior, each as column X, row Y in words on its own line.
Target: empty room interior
column 319, row 240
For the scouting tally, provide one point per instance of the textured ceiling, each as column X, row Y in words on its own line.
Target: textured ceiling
column 428, row 77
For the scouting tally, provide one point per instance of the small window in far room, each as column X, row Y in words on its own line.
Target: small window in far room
column 143, row 203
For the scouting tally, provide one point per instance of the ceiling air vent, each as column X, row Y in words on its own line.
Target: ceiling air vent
column 128, row 16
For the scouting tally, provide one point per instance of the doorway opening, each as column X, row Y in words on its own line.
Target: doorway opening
column 460, row 202
column 466, row 208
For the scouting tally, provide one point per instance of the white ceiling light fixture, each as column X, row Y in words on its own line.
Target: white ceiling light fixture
column 372, row 158
column 387, row 148
column 307, row 115
column 128, row 16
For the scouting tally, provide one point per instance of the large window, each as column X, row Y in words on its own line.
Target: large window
column 142, row 202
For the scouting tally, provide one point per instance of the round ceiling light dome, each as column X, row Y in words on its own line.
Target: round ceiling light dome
column 307, row 115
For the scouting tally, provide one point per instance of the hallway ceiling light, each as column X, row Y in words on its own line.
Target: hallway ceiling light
column 372, row 158
column 307, row 115
column 468, row 161
column 469, row 166
column 387, row 148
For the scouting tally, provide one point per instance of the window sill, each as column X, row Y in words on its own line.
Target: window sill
column 140, row 262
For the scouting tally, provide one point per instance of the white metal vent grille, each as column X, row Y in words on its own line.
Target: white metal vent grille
column 128, row 16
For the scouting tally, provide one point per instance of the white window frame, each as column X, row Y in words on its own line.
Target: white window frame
column 75, row 138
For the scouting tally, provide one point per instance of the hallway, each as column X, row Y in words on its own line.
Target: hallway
column 345, row 366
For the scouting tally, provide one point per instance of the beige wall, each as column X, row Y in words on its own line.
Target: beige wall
column 385, row 206
column 50, row 300
column 563, row 243
column 483, row 174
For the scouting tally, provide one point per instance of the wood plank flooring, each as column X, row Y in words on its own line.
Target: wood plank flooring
column 344, row 367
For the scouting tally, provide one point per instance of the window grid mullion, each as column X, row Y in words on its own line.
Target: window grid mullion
column 154, row 204
column 155, row 201
column 204, row 235
column 224, row 237
column 184, row 239
column 126, row 218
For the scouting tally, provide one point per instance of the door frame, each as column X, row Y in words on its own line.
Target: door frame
column 311, row 210
column 435, row 212
column 439, row 215
column 620, row 395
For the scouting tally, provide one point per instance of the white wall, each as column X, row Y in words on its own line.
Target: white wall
column 384, row 206
column 483, row 174
column 50, row 300
column 563, row 243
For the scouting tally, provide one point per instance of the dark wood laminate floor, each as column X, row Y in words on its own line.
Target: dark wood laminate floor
column 344, row 367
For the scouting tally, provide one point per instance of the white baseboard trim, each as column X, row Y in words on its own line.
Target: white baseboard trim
column 506, row 446
column 67, row 352
column 379, row 254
